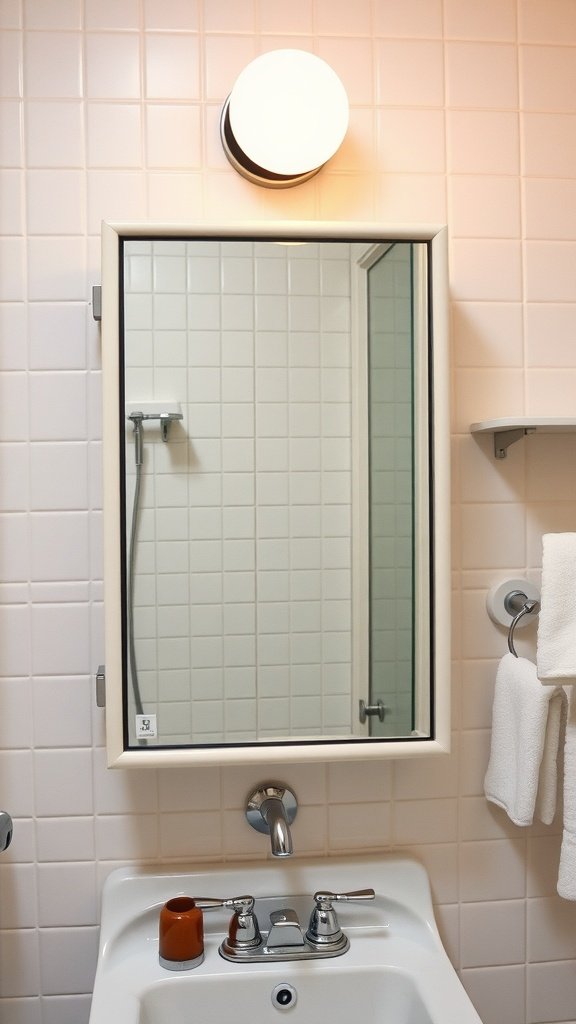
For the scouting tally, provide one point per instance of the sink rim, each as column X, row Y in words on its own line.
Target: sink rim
column 131, row 891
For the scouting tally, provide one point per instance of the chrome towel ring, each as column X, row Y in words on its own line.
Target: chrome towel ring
column 528, row 608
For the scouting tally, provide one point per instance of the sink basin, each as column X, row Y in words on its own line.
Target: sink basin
column 386, row 995
column 395, row 972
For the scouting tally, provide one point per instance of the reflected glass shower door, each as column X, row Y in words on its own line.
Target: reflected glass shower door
column 391, row 462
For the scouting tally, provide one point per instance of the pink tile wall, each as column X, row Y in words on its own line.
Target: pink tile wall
column 461, row 112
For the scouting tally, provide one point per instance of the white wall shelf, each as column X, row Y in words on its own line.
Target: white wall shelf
column 510, row 429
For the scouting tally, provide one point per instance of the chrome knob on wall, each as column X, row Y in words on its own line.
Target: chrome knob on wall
column 6, row 830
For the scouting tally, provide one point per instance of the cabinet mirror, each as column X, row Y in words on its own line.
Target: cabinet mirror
column 276, row 492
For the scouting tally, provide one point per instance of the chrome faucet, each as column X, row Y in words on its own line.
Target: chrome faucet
column 285, row 939
column 272, row 809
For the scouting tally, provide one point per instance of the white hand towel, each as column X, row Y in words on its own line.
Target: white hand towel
column 567, row 871
column 556, row 647
column 522, row 772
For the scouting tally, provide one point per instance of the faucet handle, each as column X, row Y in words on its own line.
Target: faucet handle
column 324, row 928
column 237, row 903
column 323, row 897
column 243, row 930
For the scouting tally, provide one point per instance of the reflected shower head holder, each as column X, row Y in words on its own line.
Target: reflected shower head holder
column 165, row 418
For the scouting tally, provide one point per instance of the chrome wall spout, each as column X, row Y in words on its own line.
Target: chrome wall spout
column 274, row 815
column 6, row 830
column 271, row 809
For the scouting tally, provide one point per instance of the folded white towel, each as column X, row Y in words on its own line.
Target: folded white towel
column 522, row 771
column 556, row 646
column 567, row 870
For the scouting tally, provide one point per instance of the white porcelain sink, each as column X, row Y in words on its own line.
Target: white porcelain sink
column 395, row 972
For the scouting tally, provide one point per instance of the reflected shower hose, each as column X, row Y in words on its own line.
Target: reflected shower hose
column 138, row 459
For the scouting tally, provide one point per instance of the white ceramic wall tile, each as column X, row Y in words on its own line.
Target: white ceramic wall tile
column 63, row 782
column 494, row 20
column 12, row 211
column 166, row 14
column 66, row 16
column 11, row 15
column 172, row 67
column 64, row 211
column 111, row 15
column 467, row 84
column 173, row 136
column 410, row 140
column 112, row 66
column 10, row 123
column 54, row 134
column 72, row 729
column 551, row 992
column 71, row 839
column 56, row 269
column 19, row 963
column 354, row 826
column 557, row 319
column 53, row 65
column 425, row 821
column 493, row 934
column 488, row 270
column 547, row 277
column 130, row 836
column 546, row 23
column 67, row 959
column 66, row 1009
column 498, row 993
column 483, row 142
column 491, row 871
column 548, row 144
column 67, row 894
column 12, row 260
column 114, row 134
column 484, row 207
column 547, row 77
column 416, row 18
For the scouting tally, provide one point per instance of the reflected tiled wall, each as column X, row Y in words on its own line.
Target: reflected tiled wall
column 244, row 537
column 461, row 113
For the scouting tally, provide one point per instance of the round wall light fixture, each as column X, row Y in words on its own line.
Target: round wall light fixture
column 286, row 115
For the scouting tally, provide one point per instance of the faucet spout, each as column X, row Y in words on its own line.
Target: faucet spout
column 274, row 815
column 271, row 809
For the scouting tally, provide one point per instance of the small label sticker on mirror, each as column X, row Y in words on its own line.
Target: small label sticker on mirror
column 146, row 726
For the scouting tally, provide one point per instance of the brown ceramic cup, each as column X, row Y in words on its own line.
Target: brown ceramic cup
column 181, row 934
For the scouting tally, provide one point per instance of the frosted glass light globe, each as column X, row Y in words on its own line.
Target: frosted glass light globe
column 286, row 116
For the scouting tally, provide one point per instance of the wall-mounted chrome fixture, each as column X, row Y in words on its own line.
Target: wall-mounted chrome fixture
column 271, row 809
column 513, row 603
column 286, row 115
column 6, row 830
column 164, row 418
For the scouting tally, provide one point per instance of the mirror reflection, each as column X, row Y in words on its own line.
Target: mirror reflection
column 275, row 506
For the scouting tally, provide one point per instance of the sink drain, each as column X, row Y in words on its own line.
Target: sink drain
column 284, row 997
